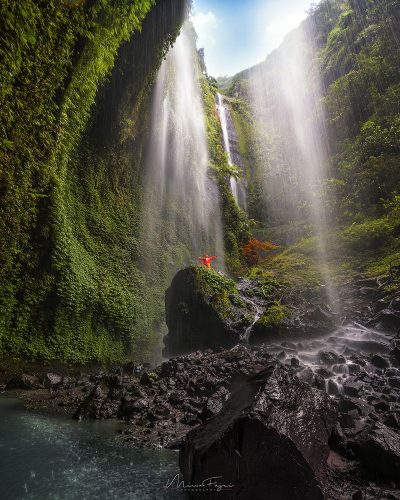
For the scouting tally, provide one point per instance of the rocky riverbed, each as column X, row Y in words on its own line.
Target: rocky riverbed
column 350, row 379
column 297, row 415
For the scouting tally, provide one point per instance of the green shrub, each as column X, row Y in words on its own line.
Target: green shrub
column 368, row 235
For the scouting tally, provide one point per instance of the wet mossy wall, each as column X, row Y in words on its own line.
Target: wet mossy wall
column 75, row 85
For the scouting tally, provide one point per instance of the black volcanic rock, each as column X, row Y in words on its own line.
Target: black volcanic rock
column 387, row 320
column 51, row 379
column 202, row 311
column 96, row 406
column 379, row 361
column 23, row 381
column 270, row 436
column 380, row 453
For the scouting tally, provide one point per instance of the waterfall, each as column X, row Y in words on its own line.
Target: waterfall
column 238, row 188
column 285, row 92
column 181, row 215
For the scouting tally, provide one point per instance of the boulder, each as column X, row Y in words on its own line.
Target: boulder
column 379, row 361
column 330, row 358
column 200, row 312
column 51, row 380
column 23, row 381
column 271, row 436
column 96, row 406
column 395, row 355
column 214, row 403
column 387, row 320
column 332, row 388
column 352, row 387
column 380, row 453
column 298, row 319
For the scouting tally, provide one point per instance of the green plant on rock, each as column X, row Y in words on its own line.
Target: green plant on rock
column 70, row 284
column 220, row 290
column 273, row 316
column 222, row 304
column 211, row 282
column 235, row 221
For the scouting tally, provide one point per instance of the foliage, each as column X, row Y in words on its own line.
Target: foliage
column 357, row 53
column 211, row 282
column 274, row 315
column 294, row 269
column 70, row 284
column 253, row 249
column 371, row 234
column 235, row 222
column 219, row 289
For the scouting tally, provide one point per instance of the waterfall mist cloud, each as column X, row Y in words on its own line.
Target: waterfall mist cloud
column 277, row 30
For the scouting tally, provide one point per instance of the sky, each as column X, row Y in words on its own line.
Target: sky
column 237, row 34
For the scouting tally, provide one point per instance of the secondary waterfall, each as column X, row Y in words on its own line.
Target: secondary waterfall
column 285, row 92
column 181, row 210
column 228, row 135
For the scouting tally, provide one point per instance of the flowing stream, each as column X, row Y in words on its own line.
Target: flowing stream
column 52, row 457
column 334, row 354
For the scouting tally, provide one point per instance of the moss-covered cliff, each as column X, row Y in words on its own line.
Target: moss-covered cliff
column 75, row 79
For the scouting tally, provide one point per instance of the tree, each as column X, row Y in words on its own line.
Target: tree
column 253, row 250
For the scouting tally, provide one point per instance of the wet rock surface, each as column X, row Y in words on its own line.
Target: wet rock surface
column 162, row 404
column 201, row 314
column 275, row 430
column 372, row 302
column 221, row 401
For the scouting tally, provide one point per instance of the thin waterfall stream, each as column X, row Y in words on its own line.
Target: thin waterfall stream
column 237, row 186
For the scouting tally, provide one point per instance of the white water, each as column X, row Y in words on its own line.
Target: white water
column 181, row 209
column 257, row 315
column 286, row 97
column 347, row 341
column 237, row 188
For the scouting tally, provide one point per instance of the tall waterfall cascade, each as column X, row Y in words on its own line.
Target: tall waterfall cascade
column 285, row 92
column 181, row 215
column 237, row 186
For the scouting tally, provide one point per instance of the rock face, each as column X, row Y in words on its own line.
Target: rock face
column 97, row 406
column 201, row 312
column 303, row 319
column 23, row 381
column 270, row 440
column 205, row 309
column 380, row 452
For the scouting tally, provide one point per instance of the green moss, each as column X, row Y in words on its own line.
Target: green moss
column 70, row 284
column 222, row 304
column 235, row 221
column 370, row 234
column 273, row 316
column 295, row 269
column 220, row 290
column 210, row 282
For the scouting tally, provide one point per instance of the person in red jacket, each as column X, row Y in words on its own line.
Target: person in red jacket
column 206, row 260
